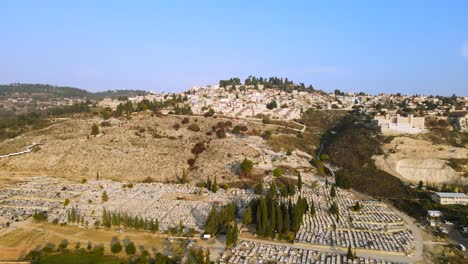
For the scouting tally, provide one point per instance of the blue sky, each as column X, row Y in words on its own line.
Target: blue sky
column 371, row 46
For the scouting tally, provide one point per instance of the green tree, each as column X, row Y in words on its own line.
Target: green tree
column 258, row 189
column 184, row 179
column 420, row 185
column 273, row 104
column 94, row 130
column 128, row 107
column 130, row 249
column 66, row 202
column 214, row 188
column 299, row 182
column 342, row 180
column 324, row 157
column 211, row 225
column 235, row 233
column 262, row 217
column 63, row 244
column 247, row 218
column 116, row 247
column 277, row 172
column 350, row 254
column 267, row 134
column 104, row 196
column 246, row 167
column 333, row 191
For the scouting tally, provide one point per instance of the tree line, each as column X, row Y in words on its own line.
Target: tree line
column 118, row 219
column 277, row 219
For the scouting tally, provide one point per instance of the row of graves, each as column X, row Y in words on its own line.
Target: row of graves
column 246, row 252
column 65, row 202
column 37, row 194
column 369, row 225
column 168, row 204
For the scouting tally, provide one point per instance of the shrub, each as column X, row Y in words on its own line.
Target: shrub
column 64, row 244
column 94, row 130
column 324, row 157
column 176, row 126
column 105, row 124
column 246, row 167
column 147, row 180
column 104, row 197
column 277, row 172
column 220, row 124
column 342, row 180
column 198, row 148
column 236, row 130
column 266, row 135
column 221, row 133
column 185, row 120
column 258, row 189
column 130, row 249
column 191, row 162
column 194, row 127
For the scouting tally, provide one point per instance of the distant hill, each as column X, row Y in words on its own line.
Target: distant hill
column 47, row 92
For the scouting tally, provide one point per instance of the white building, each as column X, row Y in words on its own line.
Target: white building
column 401, row 124
column 450, row 198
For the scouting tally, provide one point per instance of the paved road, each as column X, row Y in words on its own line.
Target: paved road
column 417, row 234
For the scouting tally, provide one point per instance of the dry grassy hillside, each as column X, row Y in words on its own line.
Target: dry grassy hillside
column 131, row 149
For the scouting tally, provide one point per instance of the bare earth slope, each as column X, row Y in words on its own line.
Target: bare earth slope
column 143, row 146
column 414, row 160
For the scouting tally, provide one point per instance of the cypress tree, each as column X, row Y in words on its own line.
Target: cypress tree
column 262, row 217
column 350, row 255
column 208, row 183
column 228, row 236
column 299, row 182
column 235, row 233
column 312, row 207
column 214, row 188
column 279, row 218
column 247, row 218
column 333, row 191
column 119, row 218
column 104, row 217
column 273, row 215
column 287, row 219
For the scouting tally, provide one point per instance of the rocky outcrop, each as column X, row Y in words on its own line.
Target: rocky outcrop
column 415, row 160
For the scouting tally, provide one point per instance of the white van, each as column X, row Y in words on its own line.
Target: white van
column 461, row 247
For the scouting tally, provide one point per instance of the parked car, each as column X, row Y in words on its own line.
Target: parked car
column 461, row 247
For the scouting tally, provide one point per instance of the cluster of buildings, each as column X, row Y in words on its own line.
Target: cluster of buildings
column 248, row 101
column 397, row 123
column 395, row 112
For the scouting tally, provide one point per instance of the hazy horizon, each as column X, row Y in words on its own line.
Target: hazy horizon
column 417, row 47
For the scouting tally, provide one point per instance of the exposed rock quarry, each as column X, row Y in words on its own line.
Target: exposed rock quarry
column 413, row 160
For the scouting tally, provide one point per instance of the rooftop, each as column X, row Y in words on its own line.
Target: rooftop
column 451, row 195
